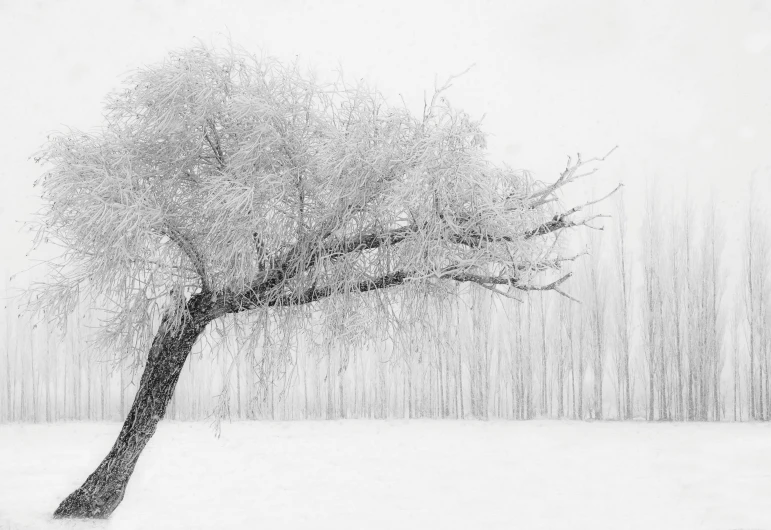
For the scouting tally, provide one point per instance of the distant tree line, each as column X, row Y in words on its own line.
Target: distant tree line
column 669, row 327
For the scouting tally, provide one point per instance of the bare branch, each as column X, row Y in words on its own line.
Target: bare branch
column 569, row 175
column 590, row 203
column 502, row 293
column 559, row 221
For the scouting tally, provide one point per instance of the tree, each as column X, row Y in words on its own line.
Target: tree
column 222, row 184
column 755, row 285
column 652, row 294
column 714, row 325
column 597, row 315
column 623, row 316
column 679, row 249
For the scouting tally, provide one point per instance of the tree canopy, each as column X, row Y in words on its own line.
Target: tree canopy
column 221, row 172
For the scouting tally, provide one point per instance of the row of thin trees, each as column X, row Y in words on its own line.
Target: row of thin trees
column 670, row 326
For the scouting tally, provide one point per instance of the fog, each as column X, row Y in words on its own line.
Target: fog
column 682, row 89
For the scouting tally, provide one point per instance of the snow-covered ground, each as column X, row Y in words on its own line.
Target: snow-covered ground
column 403, row 475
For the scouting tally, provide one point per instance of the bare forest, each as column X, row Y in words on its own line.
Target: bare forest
column 670, row 322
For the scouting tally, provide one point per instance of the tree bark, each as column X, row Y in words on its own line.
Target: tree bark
column 104, row 489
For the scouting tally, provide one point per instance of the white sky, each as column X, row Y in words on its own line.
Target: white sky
column 684, row 88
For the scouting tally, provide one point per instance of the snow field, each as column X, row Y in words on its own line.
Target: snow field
column 402, row 475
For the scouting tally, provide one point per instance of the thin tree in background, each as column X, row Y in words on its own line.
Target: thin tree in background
column 736, row 362
column 571, row 358
column 713, row 240
column 528, row 362
column 517, row 376
column 48, row 360
column 597, row 315
column 765, row 348
column 544, row 356
column 693, row 340
column 662, row 335
column 623, row 315
column 564, row 354
column 9, row 381
column 679, row 246
column 650, row 292
column 582, row 322
column 460, row 376
column 23, row 403
column 755, row 282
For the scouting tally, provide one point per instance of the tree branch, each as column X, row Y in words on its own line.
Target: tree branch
column 339, row 248
column 317, row 293
column 215, row 145
column 560, row 221
column 229, row 302
column 488, row 281
column 256, row 298
column 189, row 250
column 567, row 176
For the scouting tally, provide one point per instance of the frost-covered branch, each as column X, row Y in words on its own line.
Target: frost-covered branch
column 190, row 251
column 280, row 191
column 561, row 221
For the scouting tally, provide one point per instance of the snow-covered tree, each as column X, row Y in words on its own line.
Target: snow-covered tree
column 222, row 184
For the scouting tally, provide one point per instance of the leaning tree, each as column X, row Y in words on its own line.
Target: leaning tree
column 221, row 183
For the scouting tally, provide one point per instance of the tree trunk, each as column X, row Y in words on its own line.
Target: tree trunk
column 103, row 491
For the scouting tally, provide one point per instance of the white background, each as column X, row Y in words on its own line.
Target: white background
column 682, row 87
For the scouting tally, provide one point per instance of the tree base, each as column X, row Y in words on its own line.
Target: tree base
column 90, row 502
column 103, row 490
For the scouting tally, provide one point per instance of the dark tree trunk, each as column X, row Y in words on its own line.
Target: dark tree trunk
column 103, row 491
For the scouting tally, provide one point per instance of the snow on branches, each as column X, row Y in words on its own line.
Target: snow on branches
column 239, row 178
